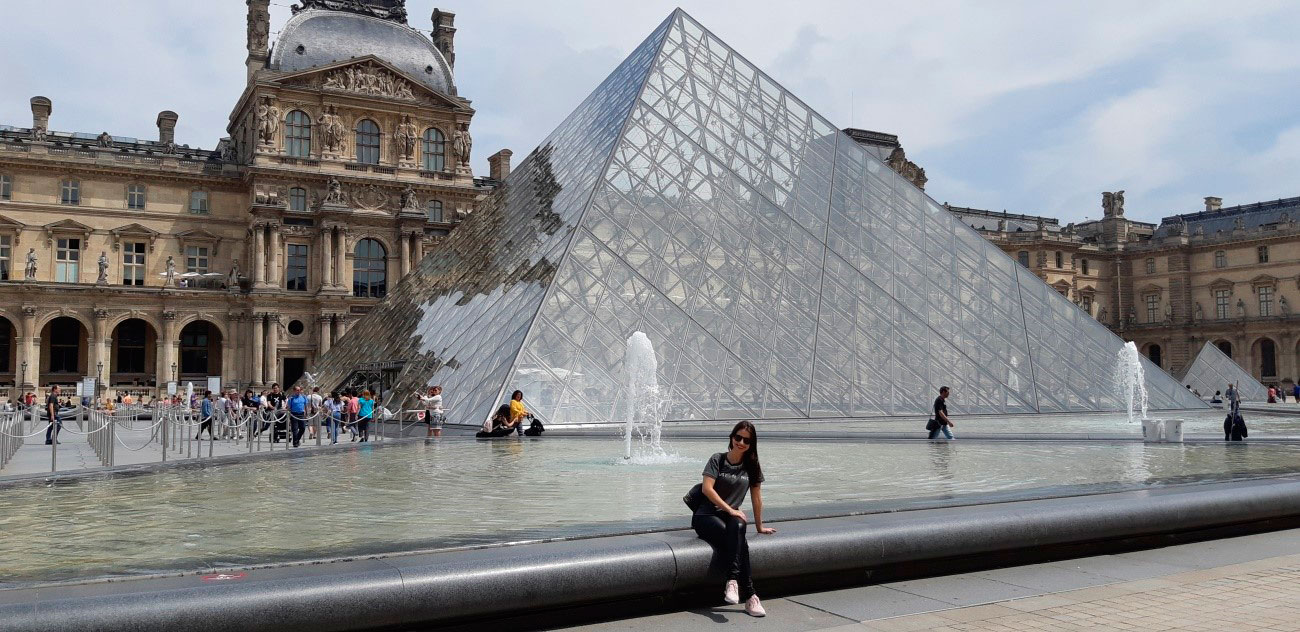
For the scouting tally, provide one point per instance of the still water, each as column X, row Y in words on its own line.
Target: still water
column 458, row 492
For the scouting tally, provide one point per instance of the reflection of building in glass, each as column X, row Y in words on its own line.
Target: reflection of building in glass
column 781, row 269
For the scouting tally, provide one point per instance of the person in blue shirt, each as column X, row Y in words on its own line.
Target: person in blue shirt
column 205, row 416
column 365, row 413
column 297, row 414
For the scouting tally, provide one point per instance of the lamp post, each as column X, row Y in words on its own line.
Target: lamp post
column 173, row 371
column 24, row 367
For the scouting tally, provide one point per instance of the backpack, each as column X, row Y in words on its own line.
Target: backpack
column 535, row 429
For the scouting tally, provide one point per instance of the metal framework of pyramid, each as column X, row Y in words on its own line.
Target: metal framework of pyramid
column 1213, row 370
column 779, row 269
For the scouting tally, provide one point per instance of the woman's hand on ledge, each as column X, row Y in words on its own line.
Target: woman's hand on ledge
column 766, row 530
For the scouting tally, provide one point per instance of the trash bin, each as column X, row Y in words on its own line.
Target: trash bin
column 1174, row 430
column 1151, row 430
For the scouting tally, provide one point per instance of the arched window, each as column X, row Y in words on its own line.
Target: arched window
column 1225, row 347
column 370, row 269
column 435, row 210
column 297, row 199
column 1023, row 258
column 194, row 348
column 435, row 150
column 1153, row 353
column 297, row 134
column 367, row 142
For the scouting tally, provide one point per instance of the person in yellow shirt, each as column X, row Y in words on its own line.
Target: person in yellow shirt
column 517, row 411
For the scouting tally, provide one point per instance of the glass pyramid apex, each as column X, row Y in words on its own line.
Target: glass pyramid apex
column 779, row 268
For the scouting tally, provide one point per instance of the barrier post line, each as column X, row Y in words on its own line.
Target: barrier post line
column 320, row 430
column 112, row 439
column 54, row 445
column 212, row 438
column 163, row 423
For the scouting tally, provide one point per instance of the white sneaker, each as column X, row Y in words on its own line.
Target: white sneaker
column 731, row 593
column 754, row 608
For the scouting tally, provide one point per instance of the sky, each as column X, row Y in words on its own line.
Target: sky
column 1030, row 107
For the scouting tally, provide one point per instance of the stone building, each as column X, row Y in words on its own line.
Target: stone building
column 147, row 261
column 1228, row 276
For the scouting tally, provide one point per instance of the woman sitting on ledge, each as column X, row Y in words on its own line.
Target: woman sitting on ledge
column 499, row 425
column 720, row 522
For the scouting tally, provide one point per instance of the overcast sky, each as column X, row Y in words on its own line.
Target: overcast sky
column 1033, row 107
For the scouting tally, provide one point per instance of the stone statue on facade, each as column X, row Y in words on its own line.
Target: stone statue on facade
column 232, row 279
column 29, row 269
column 169, row 273
column 1169, row 314
column 268, row 121
column 410, row 202
column 1197, row 314
column 1102, row 314
column 103, row 269
column 1241, row 308
column 1284, row 307
column 1112, row 204
column 1132, row 317
column 334, row 193
column 332, row 131
column 1239, row 224
column 462, row 143
column 105, row 139
column 406, row 138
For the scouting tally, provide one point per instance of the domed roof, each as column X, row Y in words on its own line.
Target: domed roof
column 317, row 37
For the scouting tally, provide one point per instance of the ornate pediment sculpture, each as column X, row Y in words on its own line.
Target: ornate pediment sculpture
column 369, row 78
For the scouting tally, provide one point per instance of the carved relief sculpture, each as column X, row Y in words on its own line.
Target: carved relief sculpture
column 409, row 200
column 406, row 138
column 1112, row 204
column 259, row 24
column 268, row 121
column 333, row 134
column 105, row 139
column 334, row 195
column 369, row 79
column 103, row 269
column 29, row 270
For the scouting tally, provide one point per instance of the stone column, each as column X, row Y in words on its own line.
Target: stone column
column 419, row 250
column 259, row 255
column 258, row 351
column 341, row 275
column 273, row 267
column 404, row 248
column 270, row 364
column 323, row 343
column 30, row 349
column 102, row 352
column 168, row 349
column 327, row 258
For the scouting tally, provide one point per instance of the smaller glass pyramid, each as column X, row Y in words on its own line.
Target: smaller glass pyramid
column 1212, row 371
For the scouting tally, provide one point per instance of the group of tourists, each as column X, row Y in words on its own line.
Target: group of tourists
column 509, row 419
column 289, row 416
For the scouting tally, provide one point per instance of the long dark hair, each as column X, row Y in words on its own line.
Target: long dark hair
column 750, row 458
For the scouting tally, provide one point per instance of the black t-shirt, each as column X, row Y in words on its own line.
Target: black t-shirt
column 52, row 405
column 276, row 400
column 730, row 481
column 938, row 406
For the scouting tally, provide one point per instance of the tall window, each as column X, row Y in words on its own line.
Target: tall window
column 1086, row 304
column 199, row 202
column 1154, row 353
column 6, row 257
column 65, row 344
column 1023, row 257
column 194, row 348
column 367, row 142
column 435, row 210
column 1085, row 266
column 70, row 192
column 297, row 199
column 434, row 150
column 369, row 269
column 196, row 259
column 1225, row 347
column 67, row 259
column 1153, row 307
column 297, row 134
column 1060, row 260
column 295, row 273
column 135, row 196
column 1265, row 301
column 1221, row 304
column 133, row 263
column 6, row 186
column 130, row 338
column 1262, row 253
column 1220, row 259
column 1151, row 265
column 1267, row 358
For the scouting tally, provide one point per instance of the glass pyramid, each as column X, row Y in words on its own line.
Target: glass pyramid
column 1212, row 370
column 779, row 268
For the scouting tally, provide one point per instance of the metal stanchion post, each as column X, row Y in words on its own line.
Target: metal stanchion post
column 320, row 430
column 163, row 422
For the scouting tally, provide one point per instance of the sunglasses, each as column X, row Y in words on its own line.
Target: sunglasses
column 742, row 439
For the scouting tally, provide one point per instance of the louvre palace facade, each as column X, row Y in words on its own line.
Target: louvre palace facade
column 147, row 261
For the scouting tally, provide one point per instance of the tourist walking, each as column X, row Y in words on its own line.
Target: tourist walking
column 1234, row 398
column 1272, row 395
column 297, row 404
column 365, row 412
column 354, row 408
column 433, row 415
column 315, row 414
column 205, row 416
column 941, row 416
column 718, row 519
column 334, row 410
column 52, row 413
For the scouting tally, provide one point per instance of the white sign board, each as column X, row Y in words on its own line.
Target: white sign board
column 214, row 383
column 88, row 387
column 79, row 387
column 171, row 388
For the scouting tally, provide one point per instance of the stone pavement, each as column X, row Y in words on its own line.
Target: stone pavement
column 1243, row 584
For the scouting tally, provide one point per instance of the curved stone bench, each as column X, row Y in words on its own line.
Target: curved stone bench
column 497, row 581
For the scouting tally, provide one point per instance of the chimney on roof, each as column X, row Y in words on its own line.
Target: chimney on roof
column 259, row 35
column 499, row 165
column 167, row 127
column 41, row 108
column 444, row 32
column 1213, row 203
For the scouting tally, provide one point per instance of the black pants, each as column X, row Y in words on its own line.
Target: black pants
column 298, row 423
column 499, row 431
column 206, row 425
column 52, row 432
column 727, row 536
column 363, row 429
